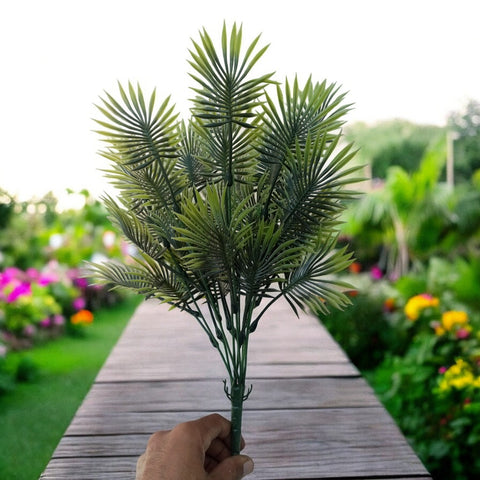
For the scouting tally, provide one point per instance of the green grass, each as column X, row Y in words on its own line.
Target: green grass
column 35, row 415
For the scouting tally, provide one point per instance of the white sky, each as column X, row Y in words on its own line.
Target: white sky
column 412, row 59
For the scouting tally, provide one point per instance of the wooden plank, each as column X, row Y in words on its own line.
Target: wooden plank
column 124, row 468
column 310, row 415
column 144, row 368
column 173, row 346
column 325, row 443
column 209, row 395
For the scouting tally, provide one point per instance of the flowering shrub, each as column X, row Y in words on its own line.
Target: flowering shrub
column 38, row 232
column 26, row 303
column 417, row 304
column 433, row 389
column 42, row 292
column 454, row 323
column 35, row 305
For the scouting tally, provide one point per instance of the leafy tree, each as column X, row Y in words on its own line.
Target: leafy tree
column 466, row 126
column 236, row 208
column 393, row 143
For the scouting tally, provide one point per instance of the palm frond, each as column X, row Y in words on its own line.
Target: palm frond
column 240, row 204
column 226, row 101
column 152, row 187
column 311, row 284
column 300, row 112
column 265, row 259
column 311, row 195
column 308, row 112
column 139, row 136
column 224, row 94
column 190, row 154
column 209, row 239
column 134, row 230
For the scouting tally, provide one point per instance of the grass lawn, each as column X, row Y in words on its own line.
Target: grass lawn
column 35, row 415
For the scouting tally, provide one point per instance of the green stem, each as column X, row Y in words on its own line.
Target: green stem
column 237, row 397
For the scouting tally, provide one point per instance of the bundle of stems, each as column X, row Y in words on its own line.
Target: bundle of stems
column 236, row 208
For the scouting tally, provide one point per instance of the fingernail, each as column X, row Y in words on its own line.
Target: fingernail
column 247, row 467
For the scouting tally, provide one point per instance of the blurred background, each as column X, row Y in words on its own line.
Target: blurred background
column 411, row 60
column 412, row 74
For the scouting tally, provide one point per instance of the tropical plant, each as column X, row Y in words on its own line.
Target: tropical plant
column 236, row 208
column 406, row 216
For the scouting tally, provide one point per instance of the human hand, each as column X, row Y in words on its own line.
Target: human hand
column 196, row 450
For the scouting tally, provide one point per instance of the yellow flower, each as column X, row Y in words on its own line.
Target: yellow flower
column 439, row 330
column 418, row 303
column 459, row 376
column 452, row 318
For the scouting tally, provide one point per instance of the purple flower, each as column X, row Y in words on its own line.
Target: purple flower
column 81, row 283
column 79, row 303
column 33, row 273
column 45, row 323
column 47, row 279
column 12, row 272
column 29, row 331
column 18, row 291
column 58, row 320
column 376, row 273
column 8, row 275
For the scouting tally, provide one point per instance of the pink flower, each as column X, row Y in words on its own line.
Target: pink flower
column 8, row 275
column 45, row 323
column 29, row 331
column 462, row 333
column 58, row 320
column 79, row 303
column 32, row 273
column 12, row 272
column 442, row 370
column 81, row 282
column 18, row 291
column 47, row 279
column 376, row 273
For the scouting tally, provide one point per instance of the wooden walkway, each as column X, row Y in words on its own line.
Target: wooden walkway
column 310, row 414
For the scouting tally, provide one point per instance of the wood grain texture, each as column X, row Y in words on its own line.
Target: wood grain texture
column 209, row 395
column 310, row 414
column 297, row 443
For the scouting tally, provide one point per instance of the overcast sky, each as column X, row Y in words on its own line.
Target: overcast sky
column 411, row 59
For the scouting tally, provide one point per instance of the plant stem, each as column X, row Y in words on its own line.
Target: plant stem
column 237, row 397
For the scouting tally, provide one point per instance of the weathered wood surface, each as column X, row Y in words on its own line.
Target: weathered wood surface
column 310, row 415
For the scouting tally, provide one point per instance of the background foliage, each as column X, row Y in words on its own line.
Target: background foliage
column 42, row 292
column 427, row 379
column 414, row 326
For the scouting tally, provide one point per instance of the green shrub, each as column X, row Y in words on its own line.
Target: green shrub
column 433, row 390
column 366, row 329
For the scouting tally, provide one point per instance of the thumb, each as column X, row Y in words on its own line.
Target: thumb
column 232, row 468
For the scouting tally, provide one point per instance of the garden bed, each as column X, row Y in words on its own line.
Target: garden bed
column 58, row 375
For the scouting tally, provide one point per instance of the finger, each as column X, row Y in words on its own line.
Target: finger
column 218, row 450
column 211, row 427
column 232, row 468
column 140, row 467
column 209, row 464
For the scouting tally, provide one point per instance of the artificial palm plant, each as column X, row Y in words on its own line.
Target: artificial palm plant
column 236, row 208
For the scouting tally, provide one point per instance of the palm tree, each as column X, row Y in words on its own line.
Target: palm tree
column 407, row 214
column 236, row 208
